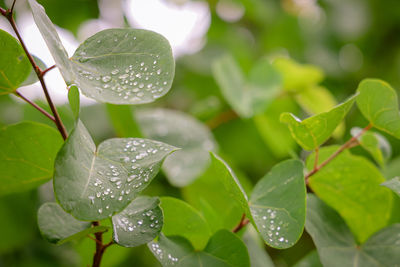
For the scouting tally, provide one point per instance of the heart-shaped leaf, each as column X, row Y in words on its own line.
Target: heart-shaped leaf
column 139, row 223
column 315, row 130
column 14, row 65
column 182, row 219
column 224, row 249
column 59, row 227
column 278, row 204
column 377, row 101
column 336, row 245
column 95, row 183
column 27, row 154
column 181, row 130
column 124, row 66
column 366, row 208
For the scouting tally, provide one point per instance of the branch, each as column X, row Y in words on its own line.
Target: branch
column 44, row 112
column 349, row 144
column 100, row 247
column 39, row 73
column 243, row 222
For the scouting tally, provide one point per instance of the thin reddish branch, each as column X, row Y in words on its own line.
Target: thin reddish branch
column 100, row 247
column 243, row 222
column 44, row 112
column 43, row 72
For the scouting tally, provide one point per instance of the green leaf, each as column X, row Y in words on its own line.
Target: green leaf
column 256, row 248
column 50, row 36
column 95, row 183
column 181, row 130
column 14, row 65
column 139, row 223
column 278, row 204
column 377, row 101
column 393, row 184
column 224, row 249
column 27, row 154
column 122, row 119
column 182, row 219
column 296, row 76
column 314, row 131
column 218, row 195
column 351, row 185
column 375, row 143
column 336, row 245
column 74, row 100
column 59, row 227
column 32, row 77
column 310, row 260
column 247, row 96
column 124, row 66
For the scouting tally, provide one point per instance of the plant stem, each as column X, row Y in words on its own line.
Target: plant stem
column 44, row 112
column 48, row 69
column 243, row 222
column 350, row 143
column 57, row 120
column 100, row 247
column 222, row 118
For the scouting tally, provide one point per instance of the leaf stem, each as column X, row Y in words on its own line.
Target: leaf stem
column 44, row 112
column 243, row 222
column 316, row 158
column 222, row 118
column 12, row 6
column 57, row 120
column 349, row 144
column 100, row 247
column 43, row 72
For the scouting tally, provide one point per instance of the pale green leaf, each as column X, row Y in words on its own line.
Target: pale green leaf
column 278, row 204
column 27, row 154
column 32, row 77
column 310, row 260
column 14, row 65
column 377, row 101
column 139, row 223
column 74, row 100
column 351, row 185
column 393, row 184
column 122, row 119
column 314, row 131
column 95, row 183
column 183, row 131
column 256, row 248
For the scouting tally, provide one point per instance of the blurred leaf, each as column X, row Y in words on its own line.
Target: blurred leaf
column 139, row 223
column 310, row 260
column 124, row 66
column 393, row 184
column 32, row 77
column 182, row 219
column 27, row 154
column 258, row 255
column 336, row 245
column 297, row 77
column 377, row 101
column 183, row 131
column 95, row 183
column 74, row 101
column 218, row 195
column 315, row 130
column 278, row 204
column 59, row 227
column 375, row 143
column 223, row 249
column 351, row 185
column 247, row 96
column 14, row 65
column 122, row 119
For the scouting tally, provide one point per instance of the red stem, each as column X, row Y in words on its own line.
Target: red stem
column 243, row 222
column 44, row 112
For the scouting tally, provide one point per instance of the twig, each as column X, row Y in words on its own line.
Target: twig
column 316, row 158
column 43, row 72
column 349, row 144
column 12, row 7
column 44, row 112
column 243, row 222
column 57, row 120
column 100, row 247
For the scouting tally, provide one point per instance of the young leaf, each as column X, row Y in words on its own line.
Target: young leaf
column 393, row 184
column 124, row 66
column 224, row 249
column 53, row 41
column 218, row 194
column 27, row 154
column 351, row 185
column 375, row 143
column 139, row 223
column 247, row 96
column 278, row 204
column 336, row 245
column 180, row 130
column 377, row 101
column 74, row 101
column 14, row 65
column 59, row 227
column 95, row 183
column 182, row 219
column 314, row 131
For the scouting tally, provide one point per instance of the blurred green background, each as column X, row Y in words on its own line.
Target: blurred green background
column 348, row 39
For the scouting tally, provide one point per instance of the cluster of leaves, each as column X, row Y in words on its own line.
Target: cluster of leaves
column 99, row 188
